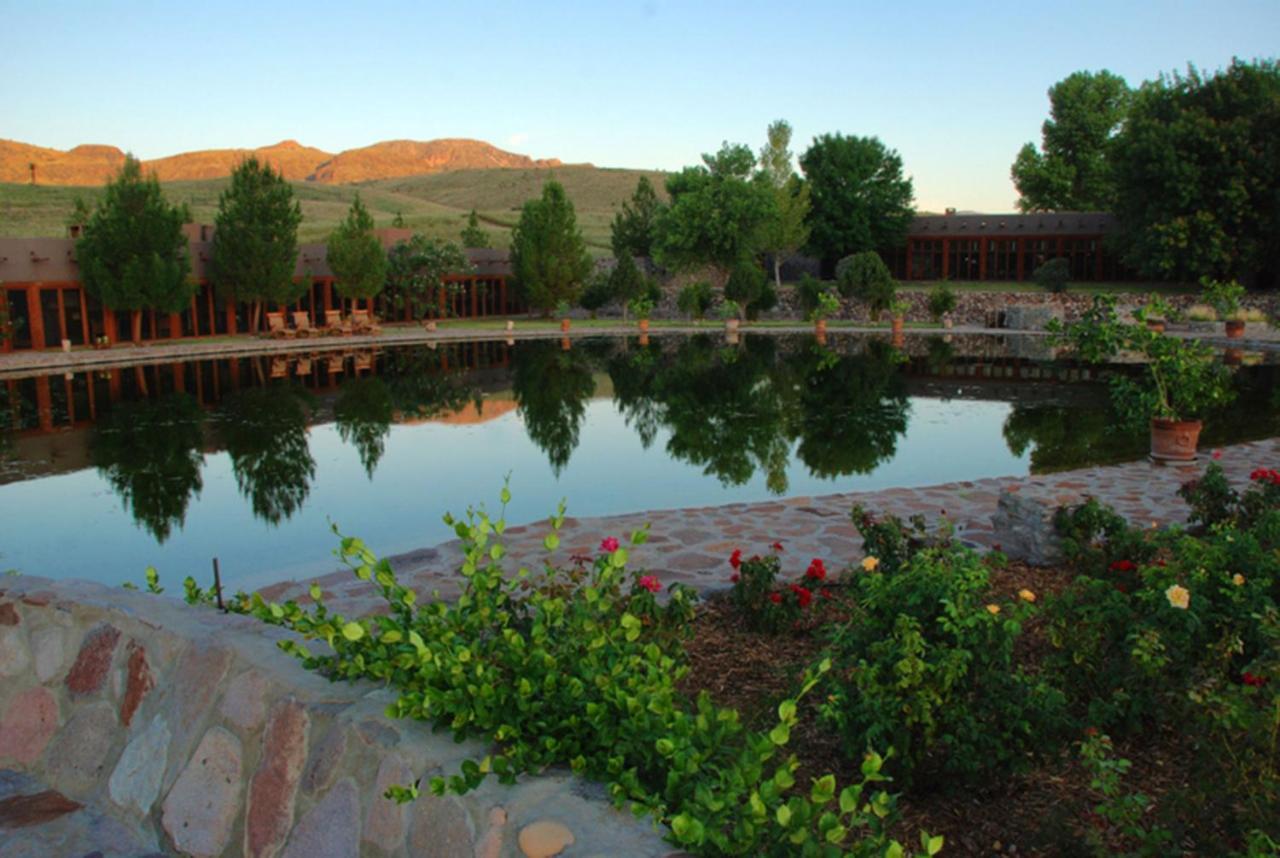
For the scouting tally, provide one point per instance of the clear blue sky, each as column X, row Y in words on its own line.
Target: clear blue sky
column 955, row 87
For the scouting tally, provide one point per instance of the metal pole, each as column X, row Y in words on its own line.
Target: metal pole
column 217, row 585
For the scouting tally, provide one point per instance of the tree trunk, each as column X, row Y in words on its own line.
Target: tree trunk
column 136, row 324
column 777, row 271
column 255, row 316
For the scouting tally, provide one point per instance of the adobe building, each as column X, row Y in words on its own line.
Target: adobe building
column 40, row 280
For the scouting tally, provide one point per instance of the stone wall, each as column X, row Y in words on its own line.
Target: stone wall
column 189, row 731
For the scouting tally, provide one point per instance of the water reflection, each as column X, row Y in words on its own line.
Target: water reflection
column 264, row 431
column 363, row 415
column 551, row 386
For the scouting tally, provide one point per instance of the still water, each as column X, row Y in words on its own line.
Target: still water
column 254, row 460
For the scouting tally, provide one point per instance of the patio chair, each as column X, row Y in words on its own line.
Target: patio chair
column 277, row 328
column 335, row 324
column 279, row 367
column 302, row 323
column 365, row 323
column 303, row 367
column 337, row 363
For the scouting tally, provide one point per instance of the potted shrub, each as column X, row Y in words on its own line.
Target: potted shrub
column 1155, row 314
column 562, row 310
column 899, row 310
column 826, row 305
column 1181, row 380
column 730, row 311
column 942, row 303
column 1224, row 297
column 642, row 307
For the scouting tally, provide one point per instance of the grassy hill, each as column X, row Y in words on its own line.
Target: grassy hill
column 436, row 205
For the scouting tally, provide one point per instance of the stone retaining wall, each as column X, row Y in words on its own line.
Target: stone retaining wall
column 196, row 735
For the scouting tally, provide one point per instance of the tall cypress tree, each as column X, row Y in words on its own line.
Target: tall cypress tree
column 133, row 255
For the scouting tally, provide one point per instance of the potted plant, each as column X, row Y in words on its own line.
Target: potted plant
column 1224, row 297
column 730, row 311
column 826, row 305
column 1180, row 381
column 562, row 311
column 642, row 307
column 1156, row 313
column 898, row 308
column 942, row 303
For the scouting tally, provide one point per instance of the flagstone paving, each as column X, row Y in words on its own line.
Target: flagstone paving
column 692, row 545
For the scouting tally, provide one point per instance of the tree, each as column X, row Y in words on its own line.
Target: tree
column 355, row 255
column 133, row 255
column 788, row 231
column 416, row 270
column 632, row 232
column 859, row 199
column 548, row 256
column 864, row 277
column 1072, row 169
column 255, row 245
column 1197, row 172
column 473, row 235
column 716, row 214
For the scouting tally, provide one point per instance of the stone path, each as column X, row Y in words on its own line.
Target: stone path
column 692, row 545
column 39, row 822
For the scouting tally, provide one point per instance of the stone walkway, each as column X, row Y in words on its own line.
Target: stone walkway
column 36, row 822
column 692, row 546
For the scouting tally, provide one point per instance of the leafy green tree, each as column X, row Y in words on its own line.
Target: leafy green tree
column 255, row 245
column 356, row 256
column 695, row 299
column 548, row 255
column 788, row 230
column 416, row 270
column 133, row 255
column 151, row 452
column 864, row 277
column 265, row 433
column 633, row 228
column 1197, row 170
column 473, row 235
column 716, row 215
column 859, row 199
column 749, row 286
column 1072, row 169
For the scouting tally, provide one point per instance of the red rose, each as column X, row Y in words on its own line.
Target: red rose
column 817, row 570
column 777, row 546
column 826, row 594
column 735, row 559
column 776, row 598
column 1123, row 566
column 734, row 577
column 803, row 596
column 1253, row 679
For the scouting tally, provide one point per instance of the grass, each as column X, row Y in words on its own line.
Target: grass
column 436, row 205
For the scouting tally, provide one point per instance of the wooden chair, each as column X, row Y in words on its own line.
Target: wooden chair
column 279, row 367
column 277, row 328
column 302, row 323
column 303, row 367
column 365, row 323
column 335, row 324
column 337, row 363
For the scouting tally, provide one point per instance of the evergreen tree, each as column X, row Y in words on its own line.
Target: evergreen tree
column 632, row 232
column 255, row 245
column 473, row 235
column 355, row 255
column 548, row 254
column 133, row 255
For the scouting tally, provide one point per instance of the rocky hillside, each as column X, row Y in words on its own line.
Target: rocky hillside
column 94, row 165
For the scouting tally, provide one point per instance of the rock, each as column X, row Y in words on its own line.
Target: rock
column 93, row 661
column 9, row 615
column 197, row 678
column 490, row 844
column 47, row 645
column 275, row 785
column 1023, row 528
column 27, row 726
column 76, row 760
column 135, row 783
column 323, row 762
column 20, row 811
column 544, row 838
column 201, row 809
column 386, row 821
column 245, row 703
column 140, row 681
column 15, row 658
column 331, row 829
column 440, row 829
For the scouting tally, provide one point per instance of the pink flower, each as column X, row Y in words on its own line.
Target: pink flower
column 650, row 583
column 609, row 544
column 1217, row 454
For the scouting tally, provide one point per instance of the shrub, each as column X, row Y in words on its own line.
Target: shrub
column 942, row 300
column 597, row 294
column 864, row 277
column 892, row 542
column 695, row 299
column 763, row 605
column 808, row 291
column 1223, row 296
column 1054, row 275
column 746, row 285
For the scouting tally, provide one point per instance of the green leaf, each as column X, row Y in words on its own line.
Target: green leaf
column 505, row 495
column 315, row 592
column 783, row 815
column 849, row 797
column 894, row 850
column 933, row 845
column 619, row 558
column 824, row 789
column 552, row 542
column 836, row 834
column 353, row 631
column 787, row 711
column 780, row 735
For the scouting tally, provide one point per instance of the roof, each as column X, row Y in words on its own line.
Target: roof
column 1034, row 223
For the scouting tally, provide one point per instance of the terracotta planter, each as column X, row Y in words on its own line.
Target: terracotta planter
column 644, row 339
column 564, row 325
column 1156, row 325
column 566, row 343
column 820, row 327
column 1232, row 357
column 1235, row 329
column 899, row 324
column 644, row 326
column 1174, row 440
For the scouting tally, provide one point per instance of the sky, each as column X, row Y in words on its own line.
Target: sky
column 956, row 88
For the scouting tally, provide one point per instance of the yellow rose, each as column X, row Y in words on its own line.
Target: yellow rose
column 1237, row 579
column 993, row 609
column 870, row 564
column 1178, row 596
column 1026, row 595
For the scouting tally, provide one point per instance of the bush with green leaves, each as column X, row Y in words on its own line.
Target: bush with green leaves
column 926, row 666
column 597, row 294
column 1214, row 502
column 695, row 299
column 864, row 277
column 1053, row 276
column 893, row 542
column 581, row 668
column 942, row 301
column 1223, row 296
column 749, row 286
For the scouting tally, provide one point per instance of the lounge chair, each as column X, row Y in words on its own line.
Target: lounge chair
column 337, row 363
column 302, row 323
column 279, row 367
column 365, row 323
column 335, row 324
column 277, row 328
column 303, row 366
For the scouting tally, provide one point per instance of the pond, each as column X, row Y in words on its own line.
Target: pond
column 255, row 460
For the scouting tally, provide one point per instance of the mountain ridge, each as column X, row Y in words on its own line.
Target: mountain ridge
column 94, row 164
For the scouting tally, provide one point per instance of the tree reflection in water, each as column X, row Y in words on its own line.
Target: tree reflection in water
column 363, row 413
column 264, row 430
column 551, row 387
column 151, row 452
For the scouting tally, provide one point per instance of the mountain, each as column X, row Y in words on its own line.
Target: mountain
column 94, row 165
